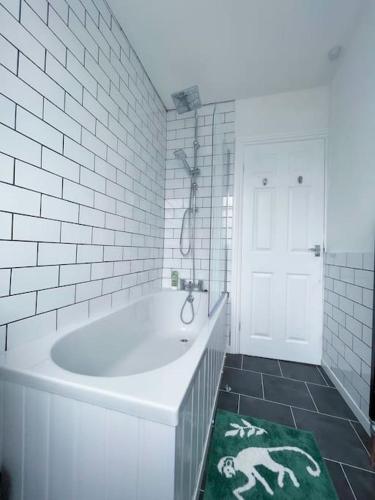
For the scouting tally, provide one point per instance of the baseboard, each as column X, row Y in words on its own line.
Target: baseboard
column 363, row 419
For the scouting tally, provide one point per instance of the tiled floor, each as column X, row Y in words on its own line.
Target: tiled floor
column 302, row 396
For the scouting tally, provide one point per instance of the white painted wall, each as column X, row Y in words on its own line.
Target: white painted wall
column 351, row 172
column 351, row 219
column 300, row 113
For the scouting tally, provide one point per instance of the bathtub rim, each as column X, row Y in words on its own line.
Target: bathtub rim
column 30, row 365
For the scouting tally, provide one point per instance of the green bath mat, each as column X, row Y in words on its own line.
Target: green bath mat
column 255, row 459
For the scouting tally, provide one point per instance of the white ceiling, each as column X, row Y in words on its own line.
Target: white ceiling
column 236, row 48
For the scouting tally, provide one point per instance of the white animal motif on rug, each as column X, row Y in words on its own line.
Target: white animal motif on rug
column 248, row 459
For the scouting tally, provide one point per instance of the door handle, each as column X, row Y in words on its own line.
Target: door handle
column 316, row 250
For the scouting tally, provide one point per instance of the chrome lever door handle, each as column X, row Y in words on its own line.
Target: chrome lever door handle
column 316, row 250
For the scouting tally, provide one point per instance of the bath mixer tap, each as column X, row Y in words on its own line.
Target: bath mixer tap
column 189, row 286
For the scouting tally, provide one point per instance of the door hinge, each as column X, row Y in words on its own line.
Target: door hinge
column 239, row 326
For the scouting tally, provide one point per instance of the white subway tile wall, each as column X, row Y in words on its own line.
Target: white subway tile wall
column 180, row 134
column 82, row 168
column 348, row 310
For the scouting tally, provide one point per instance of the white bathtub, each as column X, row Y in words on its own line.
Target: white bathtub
column 117, row 409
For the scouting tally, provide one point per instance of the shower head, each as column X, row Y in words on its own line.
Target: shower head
column 180, row 154
column 187, row 99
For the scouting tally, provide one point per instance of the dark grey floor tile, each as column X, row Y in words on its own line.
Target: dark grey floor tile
column 259, row 408
column 262, row 365
column 227, row 401
column 289, row 392
column 329, row 400
column 364, row 437
column 233, row 360
column 339, row 480
column 242, row 382
column 336, row 437
column 326, row 377
column 362, row 482
column 302, row 371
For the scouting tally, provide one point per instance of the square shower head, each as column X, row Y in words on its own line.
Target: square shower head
column 187, row 99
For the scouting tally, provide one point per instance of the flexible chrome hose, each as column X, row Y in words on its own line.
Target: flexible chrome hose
column 187, row 213
column 189, row 299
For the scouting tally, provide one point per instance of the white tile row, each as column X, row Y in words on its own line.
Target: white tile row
column 82, row 165
column 348, row 311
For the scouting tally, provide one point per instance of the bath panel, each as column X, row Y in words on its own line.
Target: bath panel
column 57, row 446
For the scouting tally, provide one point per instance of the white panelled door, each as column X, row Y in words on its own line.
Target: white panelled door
column 281, row 276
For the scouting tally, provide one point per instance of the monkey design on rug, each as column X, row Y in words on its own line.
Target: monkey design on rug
column 248, row 459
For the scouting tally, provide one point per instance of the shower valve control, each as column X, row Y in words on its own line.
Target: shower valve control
column 189, row 286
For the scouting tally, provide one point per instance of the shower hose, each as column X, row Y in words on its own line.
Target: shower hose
column 189, row 300
column 189, row 215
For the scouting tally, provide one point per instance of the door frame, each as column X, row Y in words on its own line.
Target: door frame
column 234, row 344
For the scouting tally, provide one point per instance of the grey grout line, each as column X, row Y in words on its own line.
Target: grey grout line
column 260, row 399
column 280, row 376
column 359, row 437
column 313, row 400
column 281, row 371
column 350, row 465
column 295, row 407
column 320, row 413
column 261, row 379
column 347, row 480
column 294, row 420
